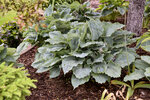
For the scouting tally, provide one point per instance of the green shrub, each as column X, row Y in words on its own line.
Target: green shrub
column 14, row 83
column 10, row 34
column 27, row 11
column 111, row 9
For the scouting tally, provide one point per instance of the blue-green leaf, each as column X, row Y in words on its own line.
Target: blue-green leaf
column 136, row 75
column 76, row 82
column 100, row 78
column 113, row 70
column 95, row 28
column 69, row 62
column 81, row 72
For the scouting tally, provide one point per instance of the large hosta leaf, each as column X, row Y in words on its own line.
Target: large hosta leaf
column 99, row 68
column 136, row 75
column 141, row 65
column 80, row 55
column 100, row 78
column 99, row 59
column 95, row 28
column 124, row 59
column 54, row 72
column 51, row 61
column 37, row 63
column 22, row 47
column 113, row 70
column 56, row 37
column 81, row 72
column 76, row 82
column 145, row 44
column 42, row 69
column 69, row 62
column 114, row 27
column 3, row 53
column 147, row 73
column 87, row 44
column 58, row 47
column 146, row 59
column 74, row 42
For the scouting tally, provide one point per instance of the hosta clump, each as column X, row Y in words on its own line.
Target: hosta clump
column 92, row 49
column 87, row 47
column 14, row 83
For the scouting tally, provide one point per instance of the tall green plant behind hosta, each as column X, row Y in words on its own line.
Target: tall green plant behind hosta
column 73, row 39
column 146, row 14
column 111, row 9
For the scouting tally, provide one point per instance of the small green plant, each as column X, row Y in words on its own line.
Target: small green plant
column 14, row 83
column 111, row 9
column 135, row 75
column 10, row 34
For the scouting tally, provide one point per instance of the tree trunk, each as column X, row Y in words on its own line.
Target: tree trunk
column 135, row 16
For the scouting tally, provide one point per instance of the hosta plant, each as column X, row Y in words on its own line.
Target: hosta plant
column 86, row 47
column 111, row 9
column 7, row 56
column 14, row 83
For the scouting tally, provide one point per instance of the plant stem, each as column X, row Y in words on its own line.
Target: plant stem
column 53, row 5
column 132, row 82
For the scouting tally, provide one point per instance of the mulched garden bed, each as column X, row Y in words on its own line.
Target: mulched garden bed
column 60, row 88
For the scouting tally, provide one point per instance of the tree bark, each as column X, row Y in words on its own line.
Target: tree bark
column 135, row 16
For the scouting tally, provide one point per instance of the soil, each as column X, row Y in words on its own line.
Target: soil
column 60, row 88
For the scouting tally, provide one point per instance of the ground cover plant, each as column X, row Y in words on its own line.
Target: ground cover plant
column 10, row 34
column 14, row 83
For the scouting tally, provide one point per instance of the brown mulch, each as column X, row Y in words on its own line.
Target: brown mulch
column 60, row 88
